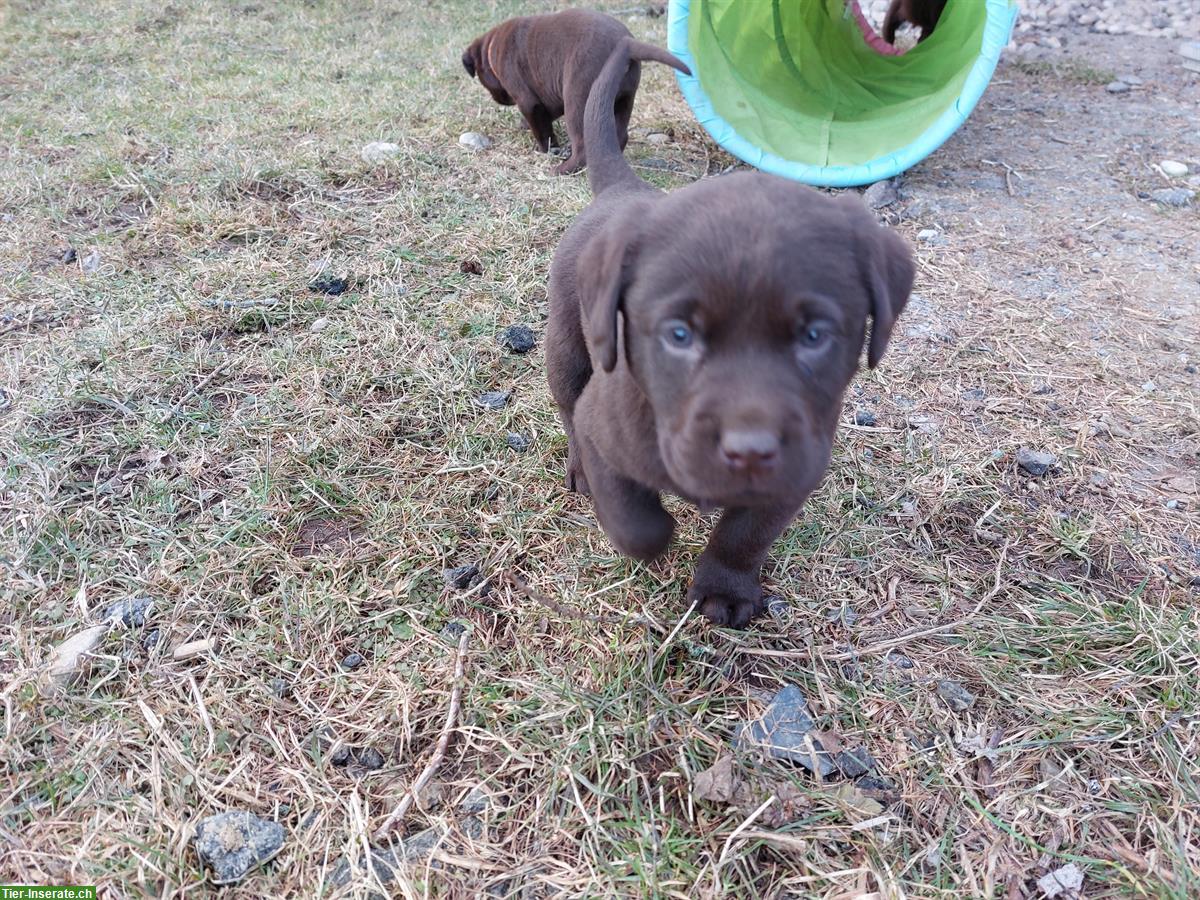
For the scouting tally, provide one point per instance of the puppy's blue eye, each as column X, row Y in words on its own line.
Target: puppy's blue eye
column 812, row 336
column 679, row 335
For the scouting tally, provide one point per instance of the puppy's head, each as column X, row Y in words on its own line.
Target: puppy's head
column 745, row 303
column 479, row 60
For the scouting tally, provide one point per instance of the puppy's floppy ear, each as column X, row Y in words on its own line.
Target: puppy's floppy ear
column 888, row 270
column 890, row 281
column 470, row 57
column 602, row 274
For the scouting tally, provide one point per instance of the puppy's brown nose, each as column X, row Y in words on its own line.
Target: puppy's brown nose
column 749, row 450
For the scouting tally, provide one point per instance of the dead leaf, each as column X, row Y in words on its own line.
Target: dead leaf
column 324, row 535
column 718, row 782
column 1065, row 881
column 65, row 661
column 858, row 806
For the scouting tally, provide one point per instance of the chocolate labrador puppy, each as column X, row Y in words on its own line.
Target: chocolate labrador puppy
column 922, row 13
column 545, row 66
column 700, row 343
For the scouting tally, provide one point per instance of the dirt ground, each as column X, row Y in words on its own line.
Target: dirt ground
column 192, row 413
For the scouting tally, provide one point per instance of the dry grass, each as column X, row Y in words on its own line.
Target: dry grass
column 173, row 425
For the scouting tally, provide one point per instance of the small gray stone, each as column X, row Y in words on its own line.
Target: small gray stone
column 880, row 194
column 452, row 631
column 472, row 827
column 517, row 441
column 899, row 660
column 377, row 152
column 864, row 417
column 130, row 612
column 1117, row 87
column 352, row 661
column 460, row 577
column 957, row 697
column 1176, row 196
column 1036, row 462
column 280, row 687
column 657, row 137
column 842, row 615
column 233, row 843
column 319, row 325
column 778, row 607
column 383, row 863
column 473, row 140
column 518, row 338
column 783, row 732
column 1172, row 168
column 1065, row 881
column 493, row 399
column 476, row 802
column 357, row 760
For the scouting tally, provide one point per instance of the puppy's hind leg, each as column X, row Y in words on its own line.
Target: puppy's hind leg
column 568, row 370
column 623, row 108
column 576, row 103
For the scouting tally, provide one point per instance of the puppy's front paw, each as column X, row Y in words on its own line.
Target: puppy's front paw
column 726, row 597
column 569, row 166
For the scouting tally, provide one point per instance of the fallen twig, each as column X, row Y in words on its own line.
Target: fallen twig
column 439, row 752
column 192, row 392
column 554, row 606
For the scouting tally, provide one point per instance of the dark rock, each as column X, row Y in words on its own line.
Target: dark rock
column 517, row 441
column 460, row 577
column 1191, row 370
column 470, row 267
column 386, row 863
column 1036, row 462
column 493, row 399
column 1175, row 196
column 233, row 843
column 864, row 417
column 151, row 639
column 778, row 607
column 352, row 661
column 452, row 631
column 783, row 732
column 878, row 788
column 957, row 697
column 974, row 394
column 899, row 660
column 68, row 256
column 280, row 687
column 357, row 759
column 518, row 338
column 880, row 194
column 130, row 612
column 329, row 284
column 477, row 801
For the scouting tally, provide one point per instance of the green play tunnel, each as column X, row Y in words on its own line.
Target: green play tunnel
column 808, row 90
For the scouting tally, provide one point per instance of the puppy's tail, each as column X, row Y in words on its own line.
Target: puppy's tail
column 606, row 163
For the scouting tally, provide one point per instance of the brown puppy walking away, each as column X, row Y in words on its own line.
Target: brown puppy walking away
column 545, row 66
column 924, row 14
column 700, row 342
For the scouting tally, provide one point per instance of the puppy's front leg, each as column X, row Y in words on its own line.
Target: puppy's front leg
column 630, row 513
column 726, row 584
